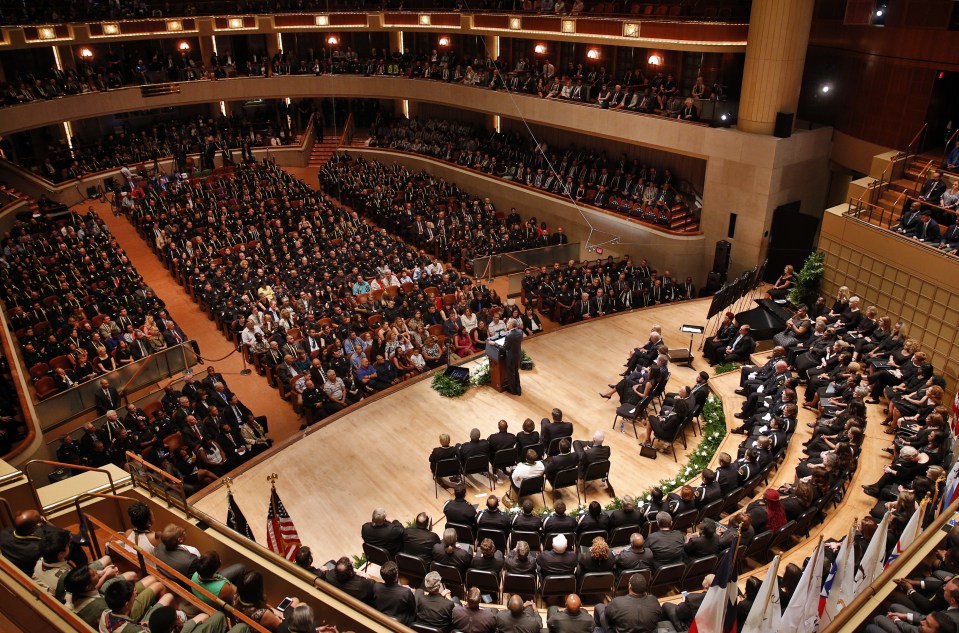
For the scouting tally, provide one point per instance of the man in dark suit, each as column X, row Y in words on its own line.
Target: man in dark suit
column 637, row 612
column 563, row 460
column 513, row 346
column 190, row 389
column 741, row 346
column 558, row 560
column 591, row 452
column 393, row 599
column 550, row 430
column 441, row 452
column 909, row 220
column 458, row 509
column 636, row 556
column 212, row 378
column 383, row 533
column 666, row 544
column 107, row 397
column 582, row 308
column 682, row 614
column 726, row 474
column 572, row 619
column 665, row 428
column 419, row 540
column 950, row 239
column 501, row 440
column 476, row 446
column 928, row 229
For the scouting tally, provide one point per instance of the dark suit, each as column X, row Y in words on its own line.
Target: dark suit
column 667, row 546
column 468, row 449
column 460, row 511
column 513, row 346
column 107, row 400
column 389, row 536
column 419, row 542
column 589, row 454
column 500, row 441
column 550, row 563
column 563, row 622
column 549, row 431
column 558, row 463
column 740, row 348
column 395, row 601
column 629, row 614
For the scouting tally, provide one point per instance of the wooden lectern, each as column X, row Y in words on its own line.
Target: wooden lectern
column 497, row 365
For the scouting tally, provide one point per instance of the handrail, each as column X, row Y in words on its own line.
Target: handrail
column 81, row 516
column 908, row 151
column 349, row 127
column 7, row 512
column 206, row 597
column 33, row 489
column 135, row 466
column 920, row 179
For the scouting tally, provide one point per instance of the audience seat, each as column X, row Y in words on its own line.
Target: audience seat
column 45, row 387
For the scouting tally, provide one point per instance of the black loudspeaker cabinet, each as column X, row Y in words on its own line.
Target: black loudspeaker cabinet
column 723, row 252
column 715, row 281
column 784, row 125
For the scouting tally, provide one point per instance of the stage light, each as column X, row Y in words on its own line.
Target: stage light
column 655, row 60
column 444, row 41
column 515, row 24
column 111, row 28
column 47, row 33
column 235, row 23
column 322, row 20
column 592, row 53
column 86, row 53
column 825, row 89
column 540, row 49
column 425, row 19
column 879, row 13
column 332, row 40
column 724, row 116
column 174, row 25
column 184, row 47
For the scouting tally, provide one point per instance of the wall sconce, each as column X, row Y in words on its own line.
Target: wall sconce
column 183, row 47
column 235, row 23
column 322, row 20
column 47, row 33
column 630, row 29
column 592, row 53
column 424, row 19
column 332, row 40
column 86, row 53
column 516, row 24
column 540, row 49
column 444, row 41
column 174, row 25
column 569, row 26
column 111, row 28
column 655, row 60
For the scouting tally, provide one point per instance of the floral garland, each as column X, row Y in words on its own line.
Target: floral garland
column 479, row 375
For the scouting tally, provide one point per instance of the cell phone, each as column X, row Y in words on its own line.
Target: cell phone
column 284, row 604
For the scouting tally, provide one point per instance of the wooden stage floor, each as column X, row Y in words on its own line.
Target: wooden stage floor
column 330, row 480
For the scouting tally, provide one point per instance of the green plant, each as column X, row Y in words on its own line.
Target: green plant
column 725, row 368
column 527, row 359
column 448, row 387
column 359, row 561
column 805, row 288
column 714, row 430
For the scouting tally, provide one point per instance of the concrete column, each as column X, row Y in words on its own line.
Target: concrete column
column 67, row 59
column 775, row 55
column 206, row 50
column 396, row 41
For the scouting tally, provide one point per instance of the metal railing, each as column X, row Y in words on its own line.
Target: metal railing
column 881, row 219
column 157, row 482
column 33, row 488
column 915, row 145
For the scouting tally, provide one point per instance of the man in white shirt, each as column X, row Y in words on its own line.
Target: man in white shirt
column 532, row 467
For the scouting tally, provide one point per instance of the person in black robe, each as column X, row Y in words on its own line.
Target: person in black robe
column 513, row 346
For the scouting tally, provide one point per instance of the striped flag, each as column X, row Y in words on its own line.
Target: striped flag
column 717, row 613
column 765, row 615
column 955, row 414
column 871, row 564
column 235, row 520
column 951, row 490
column 911, row 532
column 802, row 612
column 281, row 536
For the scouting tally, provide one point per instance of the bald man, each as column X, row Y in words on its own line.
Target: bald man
column 572, row 619
column 21, row 544
column 519, row 617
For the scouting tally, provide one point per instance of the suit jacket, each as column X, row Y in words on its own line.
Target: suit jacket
column 632, row 614
column 549, row 431
column 744, row 346
column 461, row 512
column 550, row 563
column 560, row 462
column 500, row 441
column 420, row 542
column 563, row 622
column 107, row 401
column 668, row 547
column 389, row 536
column 528, row 622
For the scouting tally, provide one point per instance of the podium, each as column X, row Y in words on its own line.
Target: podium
column 497, row 364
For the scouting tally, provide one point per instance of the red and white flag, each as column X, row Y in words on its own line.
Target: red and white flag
column 281, row 535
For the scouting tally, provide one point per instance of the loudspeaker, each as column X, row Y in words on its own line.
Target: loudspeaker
column 92, row 192
column 723, row 252
column 715, row 281
column 784, row 125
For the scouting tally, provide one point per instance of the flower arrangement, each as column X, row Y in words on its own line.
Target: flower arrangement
column 479, row 375
column 725, row 368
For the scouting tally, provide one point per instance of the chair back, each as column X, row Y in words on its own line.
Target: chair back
column 532, row 539
column 666, row 576
column 425, row 628
column 451, row 576
column 487, row 581
column 566, row 478
column 623, row 584
column 504, row 458
column 446, row 468
column 698, row 569
column 536, row 447
column 596, row 470
column 620, row 536
column 759, row 545
column 413, row 568
column 376, row 555
column 601, row 582
column 523, row 585
column 711, row 510
column 585, row 539
column 685, row 520
column 559, row 585
column 476, row 464
column 464, row 533
column 497, row 536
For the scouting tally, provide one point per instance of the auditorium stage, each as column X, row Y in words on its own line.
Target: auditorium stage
column 331, row 480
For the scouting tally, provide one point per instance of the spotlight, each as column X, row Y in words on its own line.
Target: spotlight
column 825, row 89
column 592, row 53
column 880, row 13
column 444, row 41
column 86, row 53
column 655, row 60
column 540, row 49
column 332, row 40
column 184, row 47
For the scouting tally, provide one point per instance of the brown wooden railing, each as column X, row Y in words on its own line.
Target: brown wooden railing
column 915, row 145
column 349, row 128
column 33, row 487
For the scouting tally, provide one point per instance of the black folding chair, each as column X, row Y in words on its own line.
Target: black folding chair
column 375, row 555
column 532, row 486
column 585, row 539
column 523, row 585
column 451, row 577
column 566, row 479
column 464, row 533
column 559, row 585
column 622, row 585
column 497, row 536
column 478, row 465
column 620, row 536
column 596, row 471
column 597, row 583
column 532, row 539
column 631, row 412
column 667, row 576
column 553, row 448
column 486, row 581
column 503, row 459
column 698, row 569
column 444, row 468
column 413, row 568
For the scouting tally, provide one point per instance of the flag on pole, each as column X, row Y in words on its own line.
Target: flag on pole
column 951, row 490
column 281, row 535
column 235, row 520
column 802, row 613
column 912, row 531
column 765, row 616
column 839, row 588
column 717, row 613
column 872, row 560
column 955, row 414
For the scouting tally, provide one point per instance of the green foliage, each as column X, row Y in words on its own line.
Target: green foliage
column 805, row 288
column 725, row 368
column 527, row 359
column 359, row 561
column 480, row 376
column 448, row 387
column 714, row 430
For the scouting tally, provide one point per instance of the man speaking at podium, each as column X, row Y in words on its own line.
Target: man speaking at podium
column 513, row 346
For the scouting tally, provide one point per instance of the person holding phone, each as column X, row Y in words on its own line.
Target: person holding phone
column 250, row 600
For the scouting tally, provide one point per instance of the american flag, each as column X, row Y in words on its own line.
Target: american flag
column 281, row 536
column 235, row 520
column 717, row 613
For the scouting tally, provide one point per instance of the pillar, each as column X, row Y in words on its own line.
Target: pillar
column 67, row 59
column 206, row 49
column 775, row 55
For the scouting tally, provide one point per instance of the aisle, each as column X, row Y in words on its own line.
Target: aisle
column 253, row 390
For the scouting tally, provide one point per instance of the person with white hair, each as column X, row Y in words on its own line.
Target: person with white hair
column 646, row 355
column 383, row 533
column 591, row 452
column 558, row 560
column 434, row 606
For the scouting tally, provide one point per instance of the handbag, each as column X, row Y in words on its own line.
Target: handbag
column 647, row 451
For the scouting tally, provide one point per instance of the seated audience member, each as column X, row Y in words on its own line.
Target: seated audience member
column 527, row 520
column 458, row 509
column 304, row 559
column 175, row 553
column 447, row 552
column 593, row 520
column 597, row 558
column 492, row 517
column 519, row 617
column 558, row 560
column 433, row 604
column 488, row 558
column 475, row 446
column 471, row 618
column 682, row 614
column 554, row 428
column 532, row 467
column 207, row 577
column 352, row 582
column 21, row 543
column 626, row 515
column 636, row 612
column 529, row 436
column 666, row 544
column 559, row 522
column 521, row 560
column 636, row 556
column 125, row 611
column 419, row 540
column 442, row 452
column 706, row 543
column 383, row 533
column 565, row 459
column 395, row 600
column 250, row 600
column 571, row 619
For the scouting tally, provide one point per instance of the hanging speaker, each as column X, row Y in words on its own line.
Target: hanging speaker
column 784, row 125
column 723, row 253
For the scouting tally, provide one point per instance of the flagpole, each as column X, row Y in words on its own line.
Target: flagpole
column 272, row 477
column 937, row 489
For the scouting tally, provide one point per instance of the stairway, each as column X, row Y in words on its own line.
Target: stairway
column 14, row 195
column 322, row 151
